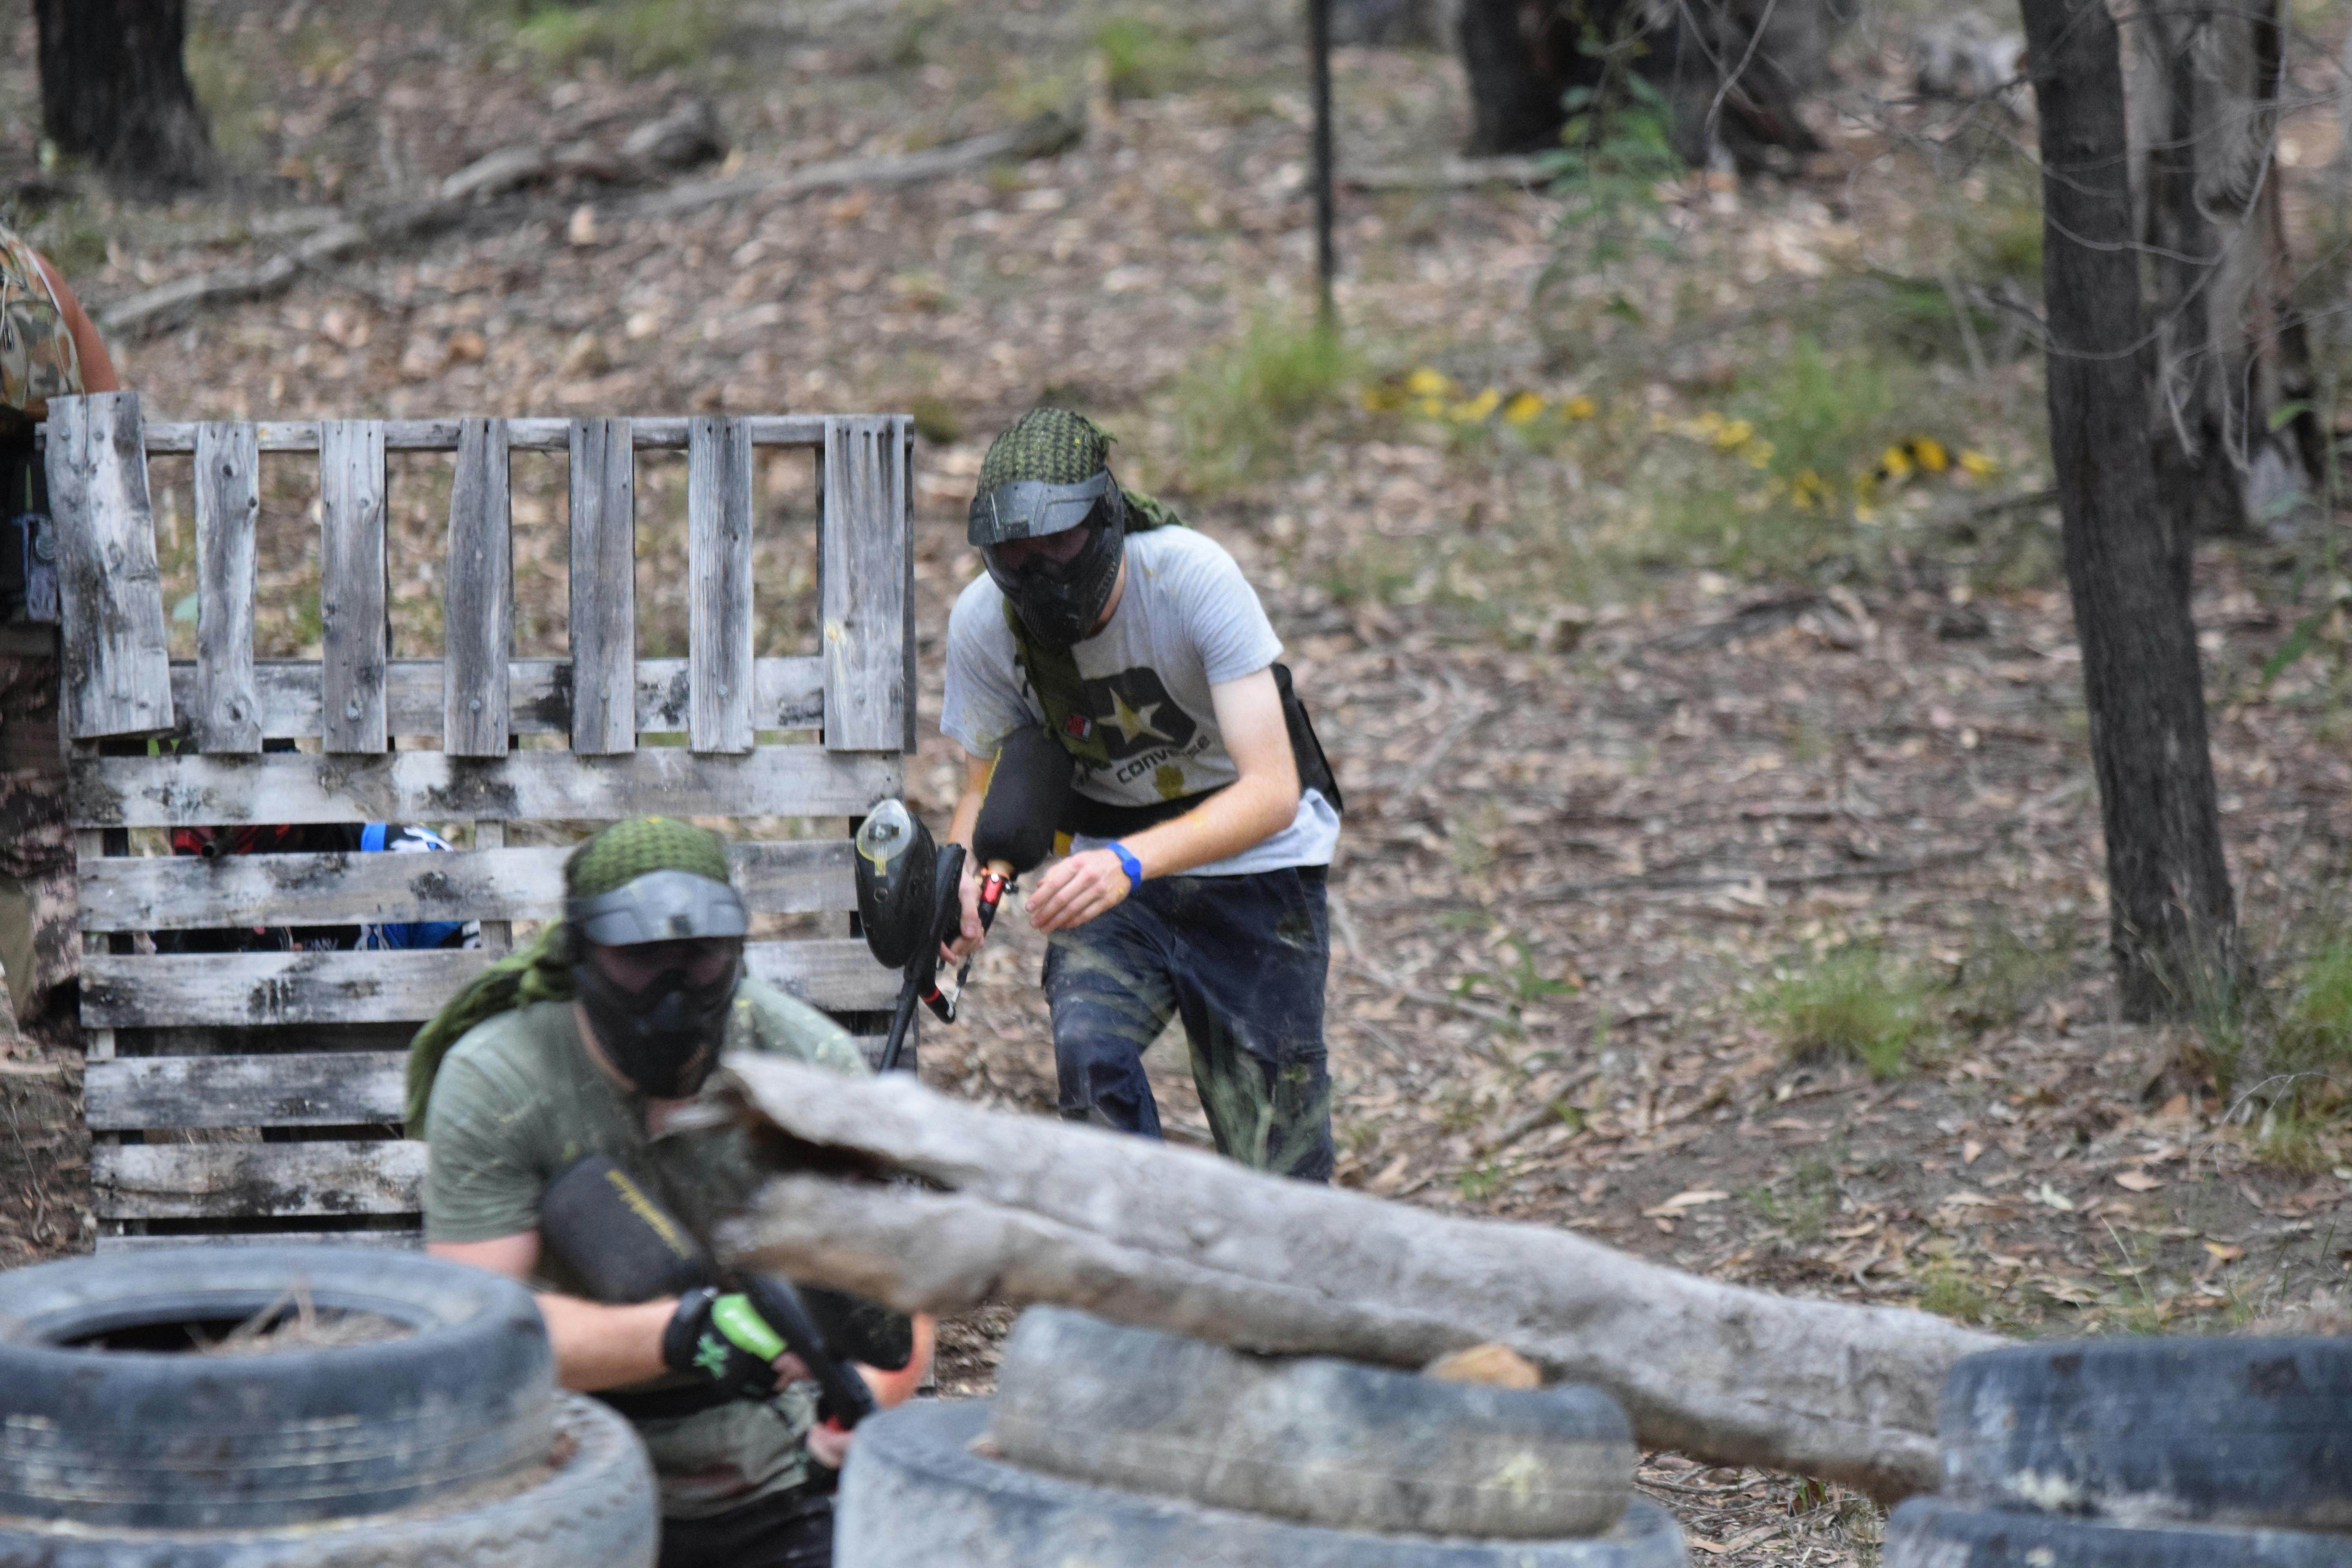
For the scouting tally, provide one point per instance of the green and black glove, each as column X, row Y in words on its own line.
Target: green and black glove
column 723, row 1337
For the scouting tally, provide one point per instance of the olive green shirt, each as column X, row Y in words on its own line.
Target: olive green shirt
column 519, row 1100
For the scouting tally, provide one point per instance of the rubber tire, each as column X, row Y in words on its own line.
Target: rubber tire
column 2223, row 1431
column 1931, row 1532
column 599, row 1510
column 177, row 1441
column 916, row 1495
column 1313, row 1439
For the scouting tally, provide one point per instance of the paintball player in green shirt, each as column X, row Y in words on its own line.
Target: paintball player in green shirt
column 598, row 1044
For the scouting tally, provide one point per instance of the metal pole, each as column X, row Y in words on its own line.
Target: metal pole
column 1327, row 262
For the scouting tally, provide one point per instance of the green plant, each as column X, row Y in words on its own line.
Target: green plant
column 935, row 421
column 1948, row 1292
column 1852, row 1002
column 1140, row 58
column 639, row 37
column 1480, row 1182
column 1241, row 408
column 2003, row 974
column 1803, row 1209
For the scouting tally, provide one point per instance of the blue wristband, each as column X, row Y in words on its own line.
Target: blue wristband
column 1127, row 859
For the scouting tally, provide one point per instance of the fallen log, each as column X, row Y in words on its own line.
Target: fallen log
column 504, row 171
column 988, row 1206
column 1041, row 136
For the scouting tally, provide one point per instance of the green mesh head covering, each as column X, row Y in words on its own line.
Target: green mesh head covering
column 1050, row 446
column 542, row 972
column 628, row 851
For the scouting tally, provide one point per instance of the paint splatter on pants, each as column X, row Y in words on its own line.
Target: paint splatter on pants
column 1242, row 960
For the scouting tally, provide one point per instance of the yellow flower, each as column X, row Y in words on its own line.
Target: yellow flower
column 1431, row 407
column 1479, row 407
column 1758, row 453
column 1579, row 407
column 1808, row 489
column 1731, row 434
column 1707, row 423
column 1522, row 408
column 1428, row 382
column 1894, row 463
column 1977, row 464
column 1930, row 454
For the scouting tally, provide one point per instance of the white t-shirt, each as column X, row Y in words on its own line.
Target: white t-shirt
column 1187, row 620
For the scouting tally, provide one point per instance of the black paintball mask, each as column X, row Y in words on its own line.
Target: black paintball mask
column 1054, row 550
column 655, row 961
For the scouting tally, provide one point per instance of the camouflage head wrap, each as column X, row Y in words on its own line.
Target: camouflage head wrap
column 1049, row 445
column 542, row 972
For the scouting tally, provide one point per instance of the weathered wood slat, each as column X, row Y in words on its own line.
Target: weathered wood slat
column 478, row 605
column 118, row 677
column 201, row 1181
column 409, row 1238
column 355, row 636
column 719, row 568
column 527, row 435
column 787, row 694
column 185, row 892
column 430, row 787
column 299, row 1089
column 604, row 588
column 226, row 715
column 134, row 990
column 863, row 565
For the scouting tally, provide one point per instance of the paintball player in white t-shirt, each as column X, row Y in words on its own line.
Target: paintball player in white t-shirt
column 1203, row 814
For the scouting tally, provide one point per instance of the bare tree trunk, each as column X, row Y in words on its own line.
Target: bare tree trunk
column 1020, row 1209
column 1735, row 71
column 2202, row 92
column 1520, row 56
column 2174, row 921
column 114, row 89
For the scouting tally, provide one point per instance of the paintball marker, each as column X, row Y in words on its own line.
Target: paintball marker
column 626, row 1248
column 910, row 891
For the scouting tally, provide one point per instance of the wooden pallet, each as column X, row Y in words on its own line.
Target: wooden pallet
column 257, row 1096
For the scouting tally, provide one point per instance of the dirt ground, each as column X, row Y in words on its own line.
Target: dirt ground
column 1604, row 807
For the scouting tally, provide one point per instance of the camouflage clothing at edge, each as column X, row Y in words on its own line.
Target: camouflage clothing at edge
column 39, row 946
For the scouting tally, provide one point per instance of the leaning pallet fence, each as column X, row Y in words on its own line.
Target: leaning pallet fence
column 258, row 1094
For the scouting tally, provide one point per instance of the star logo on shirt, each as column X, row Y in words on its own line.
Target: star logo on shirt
column 1131, row 722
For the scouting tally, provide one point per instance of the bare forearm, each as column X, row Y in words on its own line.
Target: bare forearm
column 1249, row 811
column 599, row 1346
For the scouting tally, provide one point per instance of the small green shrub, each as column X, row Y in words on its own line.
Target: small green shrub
column 1948, row 1292
column 1853, row 1003
column 2314, row 1034
column 638, row 37
column 1802, row 1209
column 1141, row 59
column 1242, row 408
column 935, row 421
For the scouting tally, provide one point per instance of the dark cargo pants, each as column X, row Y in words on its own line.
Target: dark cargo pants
column 1242, row 960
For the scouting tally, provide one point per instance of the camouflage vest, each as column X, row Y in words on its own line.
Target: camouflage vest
column 38, row 361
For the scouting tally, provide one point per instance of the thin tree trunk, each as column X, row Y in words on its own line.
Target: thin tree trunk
column 2174, row 921
column 114, row 89
column 1015, row 1208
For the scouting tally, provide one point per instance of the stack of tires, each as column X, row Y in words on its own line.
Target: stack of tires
column 2186, row 1453
column 1117, row 1447
column 418, row 1421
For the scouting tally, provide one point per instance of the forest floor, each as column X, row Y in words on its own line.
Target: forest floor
column 1722, row 874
